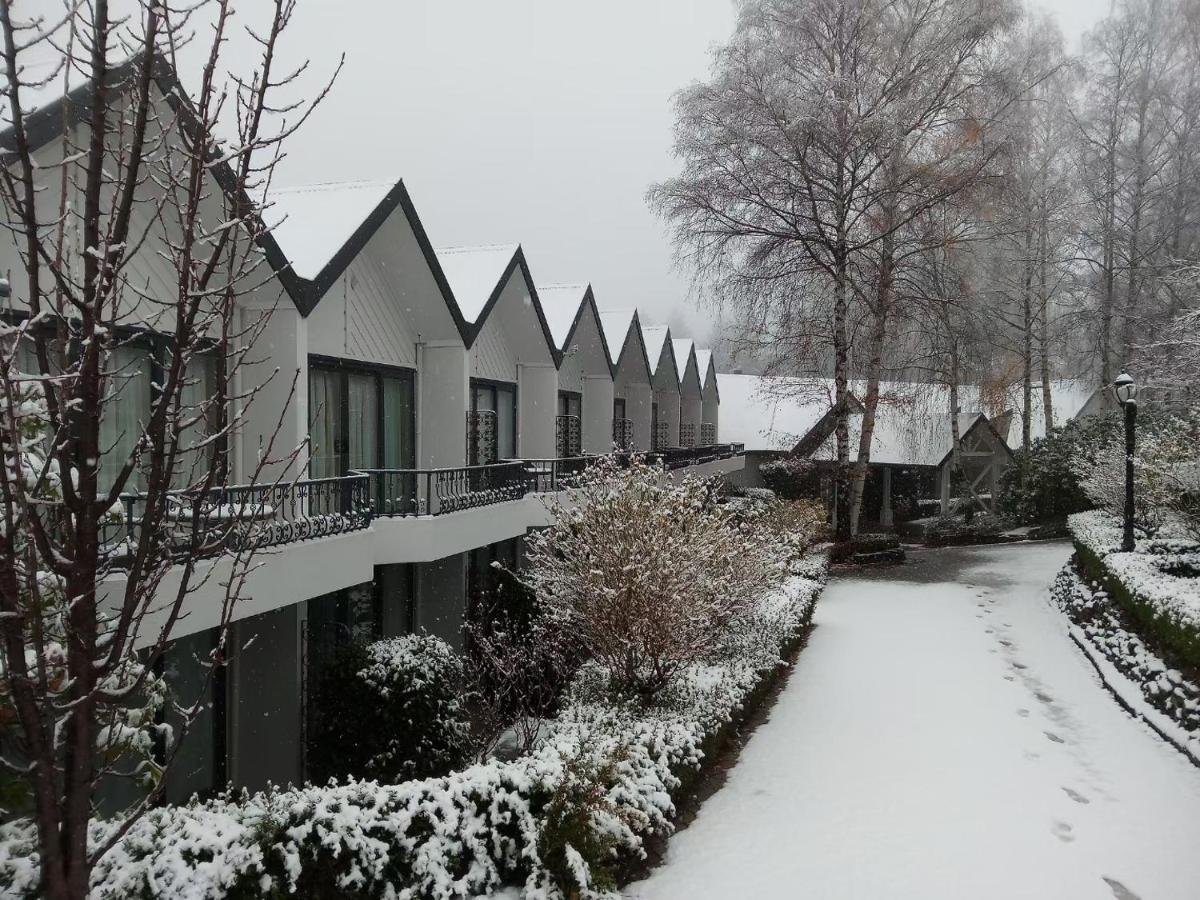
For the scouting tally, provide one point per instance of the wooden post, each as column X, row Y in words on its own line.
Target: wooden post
column 944, row 474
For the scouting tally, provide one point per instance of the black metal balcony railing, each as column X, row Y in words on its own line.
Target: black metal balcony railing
column 433, row 492
column 687, row 434
column 678, row 457
column 244, row 518
column 568, row 434
column 623, row 434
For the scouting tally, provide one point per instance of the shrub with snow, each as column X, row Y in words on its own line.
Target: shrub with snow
column 1166, row 472
column 390, row 710
column 559, row 822
column 1102, row 623
column 646, row 571
column 1155, row 582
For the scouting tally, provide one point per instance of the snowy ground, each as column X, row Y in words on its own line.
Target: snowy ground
column 942, row 737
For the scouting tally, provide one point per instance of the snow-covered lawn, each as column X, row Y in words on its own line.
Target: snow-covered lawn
column 942, row 737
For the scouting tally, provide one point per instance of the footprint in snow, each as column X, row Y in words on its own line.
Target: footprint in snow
column 1054, row 737
column 1062, row 831
column 1017, row 665
column 1009, row 678
column 1008, row 644
column 1043, row 697
column 1119, row 890
column 1076, row 796
column 1023, row 713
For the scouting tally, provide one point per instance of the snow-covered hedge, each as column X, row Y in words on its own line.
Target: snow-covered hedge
column 1152, row 573
column 1099, row 621
column 391, row 710
column 566, row 816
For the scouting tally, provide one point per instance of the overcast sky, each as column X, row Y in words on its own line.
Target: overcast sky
column 539, row 121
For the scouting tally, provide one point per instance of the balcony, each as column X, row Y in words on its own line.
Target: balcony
column 568, row 437
column 436, row 492
column 623, row 435
column 662, row 436
column 235, row 520
column 243, row 518
column 708, row 434
column 687, row 434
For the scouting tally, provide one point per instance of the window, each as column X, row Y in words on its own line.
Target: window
column 619, row 408
column 362, row 417
column 125, row 411
column 133, row 370
column 486, row 445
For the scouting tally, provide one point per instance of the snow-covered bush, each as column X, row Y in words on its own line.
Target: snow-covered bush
column 1155, row 584
column 390, row 710
column 560, row 822
column 645, row 571
column 1102, row 623
column 1166, row 459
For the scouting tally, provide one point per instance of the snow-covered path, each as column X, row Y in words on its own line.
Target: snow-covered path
column 941, row 737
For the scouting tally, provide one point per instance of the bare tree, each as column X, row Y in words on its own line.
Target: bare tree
column 127, row 373
column 826, row 127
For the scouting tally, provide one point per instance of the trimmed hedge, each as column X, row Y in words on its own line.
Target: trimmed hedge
column 1176, row 641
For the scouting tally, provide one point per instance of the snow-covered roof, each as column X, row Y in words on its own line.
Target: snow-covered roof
column 912, row 426
column 682, row 348
column 560, row 305
column 655, row 338
column 769, row 413
column 703, row 360
column 313, row 222
column 1067, row 399
column 474, row 272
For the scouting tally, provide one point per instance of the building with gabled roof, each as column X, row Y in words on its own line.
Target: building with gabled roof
column 584, row 423
column 513, row 362
column 691, row 392
column 711, row 397
column 665, row 378
column 633, row 395
column 408, row 374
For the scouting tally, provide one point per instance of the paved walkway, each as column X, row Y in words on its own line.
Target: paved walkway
column 941, row 737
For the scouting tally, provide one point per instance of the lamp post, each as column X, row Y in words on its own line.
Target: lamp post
column 1125, row 391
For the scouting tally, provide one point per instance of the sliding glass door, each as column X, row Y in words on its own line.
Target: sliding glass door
column 362, row 418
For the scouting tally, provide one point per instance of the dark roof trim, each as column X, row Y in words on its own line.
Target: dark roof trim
column 312, row 291
column 812, row 440
column 517, row 262
column 635, row 324
column 45, row 123
column 668, row 347
column 589, row 301
column 984, row 421
column 692, row 356
column 716, row 382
